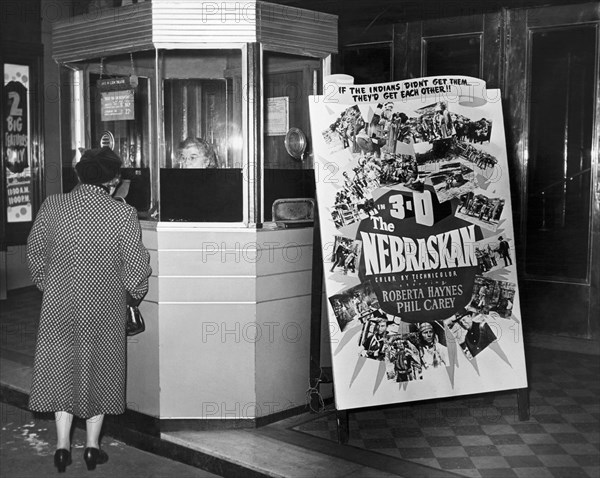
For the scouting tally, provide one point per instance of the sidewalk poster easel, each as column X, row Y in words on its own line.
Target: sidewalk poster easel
column 417, row 240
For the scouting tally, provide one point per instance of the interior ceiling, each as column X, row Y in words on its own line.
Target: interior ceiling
column 371, row 13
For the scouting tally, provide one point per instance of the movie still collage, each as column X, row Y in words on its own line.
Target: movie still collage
column 432, row 146
column 357, row 303
column 492, row 297
column 471, row 331
column 410, row 351
column 493, row 253
column 481, row 209
column 345, row 256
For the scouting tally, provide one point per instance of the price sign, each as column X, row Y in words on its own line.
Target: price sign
column 117, row 98
column 117, row 105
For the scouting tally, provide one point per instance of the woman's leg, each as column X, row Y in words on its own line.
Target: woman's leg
column 93, row 426
column 63, row 421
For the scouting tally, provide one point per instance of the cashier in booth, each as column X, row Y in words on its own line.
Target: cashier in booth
column 196, row 153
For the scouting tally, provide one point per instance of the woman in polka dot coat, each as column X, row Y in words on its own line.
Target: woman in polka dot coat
column 85, row 254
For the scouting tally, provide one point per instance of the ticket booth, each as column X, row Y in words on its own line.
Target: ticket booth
column 228, row 311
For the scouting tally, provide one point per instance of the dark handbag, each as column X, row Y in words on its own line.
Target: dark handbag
column 135, row 321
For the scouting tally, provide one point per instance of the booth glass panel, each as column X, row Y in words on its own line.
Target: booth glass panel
column 127, row 137
column 108, row 102
column 202, row 160
column 288, row 80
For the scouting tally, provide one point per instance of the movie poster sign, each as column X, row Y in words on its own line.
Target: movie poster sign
column 16, row 139
column 418, row 241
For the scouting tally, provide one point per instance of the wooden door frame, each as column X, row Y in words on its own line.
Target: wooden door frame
column 504, row 61
column 409, row 43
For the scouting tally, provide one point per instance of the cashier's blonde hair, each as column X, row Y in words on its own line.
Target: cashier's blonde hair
column 202, row 146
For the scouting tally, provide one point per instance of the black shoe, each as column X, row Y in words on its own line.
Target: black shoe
column 93, row 457
column 62, row 458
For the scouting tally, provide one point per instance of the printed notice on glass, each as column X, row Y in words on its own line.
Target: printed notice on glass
column 278, row 117
column 418, row 240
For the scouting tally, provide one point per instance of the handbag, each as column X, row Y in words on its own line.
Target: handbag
column 135, row 321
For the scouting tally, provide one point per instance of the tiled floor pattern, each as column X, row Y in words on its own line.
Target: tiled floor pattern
column 481, row 436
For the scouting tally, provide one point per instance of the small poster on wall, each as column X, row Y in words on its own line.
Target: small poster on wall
column 16, row 143
column 418, row 241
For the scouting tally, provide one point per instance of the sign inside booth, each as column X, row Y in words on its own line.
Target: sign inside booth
column 117, row 99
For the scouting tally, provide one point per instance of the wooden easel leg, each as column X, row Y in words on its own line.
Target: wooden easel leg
column 523, row 404
column 341, row 417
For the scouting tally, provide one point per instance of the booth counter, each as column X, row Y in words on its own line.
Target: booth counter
column 228, row 323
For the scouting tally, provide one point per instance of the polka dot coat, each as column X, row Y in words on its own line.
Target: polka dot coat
column 85, row 253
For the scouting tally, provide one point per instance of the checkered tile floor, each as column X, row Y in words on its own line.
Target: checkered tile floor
column 481, row 436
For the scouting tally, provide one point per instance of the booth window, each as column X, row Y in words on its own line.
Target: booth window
column 201, row 176
column 196, row 123
column 288, row 80
column 123, row 124
column 107, row 102
column 179, row 120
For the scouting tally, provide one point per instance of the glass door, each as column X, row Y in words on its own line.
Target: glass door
column 552, row 96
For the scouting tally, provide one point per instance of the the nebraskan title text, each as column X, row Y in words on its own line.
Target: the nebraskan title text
column 389, row 254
